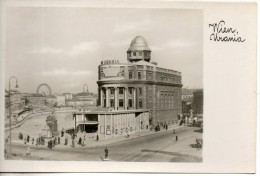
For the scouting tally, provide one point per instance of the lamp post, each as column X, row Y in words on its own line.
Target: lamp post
column 10, row 112
column 84, row 105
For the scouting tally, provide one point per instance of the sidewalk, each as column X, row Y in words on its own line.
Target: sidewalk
column 90, row 143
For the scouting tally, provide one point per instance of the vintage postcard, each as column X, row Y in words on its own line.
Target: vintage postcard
column 128, row 86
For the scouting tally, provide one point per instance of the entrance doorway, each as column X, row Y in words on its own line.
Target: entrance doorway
column 89, row 128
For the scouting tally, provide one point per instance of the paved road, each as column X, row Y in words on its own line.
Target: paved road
column 155, row 147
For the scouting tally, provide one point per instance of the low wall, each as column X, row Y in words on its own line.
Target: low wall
column 32, row 114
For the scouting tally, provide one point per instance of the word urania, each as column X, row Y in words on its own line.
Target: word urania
column 221, row 33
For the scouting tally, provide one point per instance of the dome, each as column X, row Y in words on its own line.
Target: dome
column 138, row 43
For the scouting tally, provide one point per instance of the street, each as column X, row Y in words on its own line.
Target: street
column 156, row 147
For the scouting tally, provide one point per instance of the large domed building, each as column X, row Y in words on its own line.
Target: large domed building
column 134, row 96
column 140, row 84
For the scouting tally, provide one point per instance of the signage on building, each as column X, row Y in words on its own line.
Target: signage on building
column 112, row 72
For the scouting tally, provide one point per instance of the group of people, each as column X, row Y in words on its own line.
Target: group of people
column 38, row 141
column 158, row 127
column 53, row 142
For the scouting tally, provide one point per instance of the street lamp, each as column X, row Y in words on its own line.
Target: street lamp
column 84, row 104
column 10, row 115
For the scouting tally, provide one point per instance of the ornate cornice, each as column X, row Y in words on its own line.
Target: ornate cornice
column 123, row 82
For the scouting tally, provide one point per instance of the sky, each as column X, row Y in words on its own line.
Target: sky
column 63, row 46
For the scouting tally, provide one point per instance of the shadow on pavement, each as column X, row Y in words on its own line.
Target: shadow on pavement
column 178, row 157
column 163, row 152
column 198, row 131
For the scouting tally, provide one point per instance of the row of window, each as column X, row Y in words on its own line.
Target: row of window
column 121, row 91
column 139, row 53
column 165, row 78
column 131, row 76
column 121, row 103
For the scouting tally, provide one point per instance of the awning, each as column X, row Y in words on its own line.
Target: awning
column 88, row 122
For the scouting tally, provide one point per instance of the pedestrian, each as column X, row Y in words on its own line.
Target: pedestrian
column 28, row 139
column 80, row 140
column 73, row 143
column 5, row 154
column 173, row 131
column 58, row 140
column 43, row 141
column 28, row 152
column 55, row 141
column 106, row 153
column 66, row 140
column 97, row 137
column 49, row 146
column 166, row 126
column 84, row 140
column 25, row 140
column 62, row 133
column 32, row 141
column 176, row 138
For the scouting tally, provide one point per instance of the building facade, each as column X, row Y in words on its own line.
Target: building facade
column 60, row 100
column 17, row 101
column 108, row 124
column 187, row 99
column 140, row 84
column 197, row 104
column 87, row 100
column 36, row 100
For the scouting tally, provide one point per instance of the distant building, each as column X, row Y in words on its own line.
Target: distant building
column 51, row 100
column 84, row 99
column 187, row 95
column 17, row 101
column 68, row 96
column 60, row 100
column 187, row 99
column 197, row 104
column 36, row 100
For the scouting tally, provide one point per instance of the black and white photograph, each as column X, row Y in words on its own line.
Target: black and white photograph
column 104, row 84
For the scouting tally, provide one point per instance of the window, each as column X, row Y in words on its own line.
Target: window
column 130, row 103
column 140, row 91
column 130, row 91
column 121, row 90
column 121, row 103
column 162, row 78
column 129, row 54
column 112, row 103
column 150, row 76
column 140, row 53
column 166, row 79
column 112, row 91
column 140, row 103
column 139, row 75
column 134, row 53
column 130, row 75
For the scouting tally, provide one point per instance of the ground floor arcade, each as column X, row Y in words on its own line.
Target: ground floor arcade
column 109, row 124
